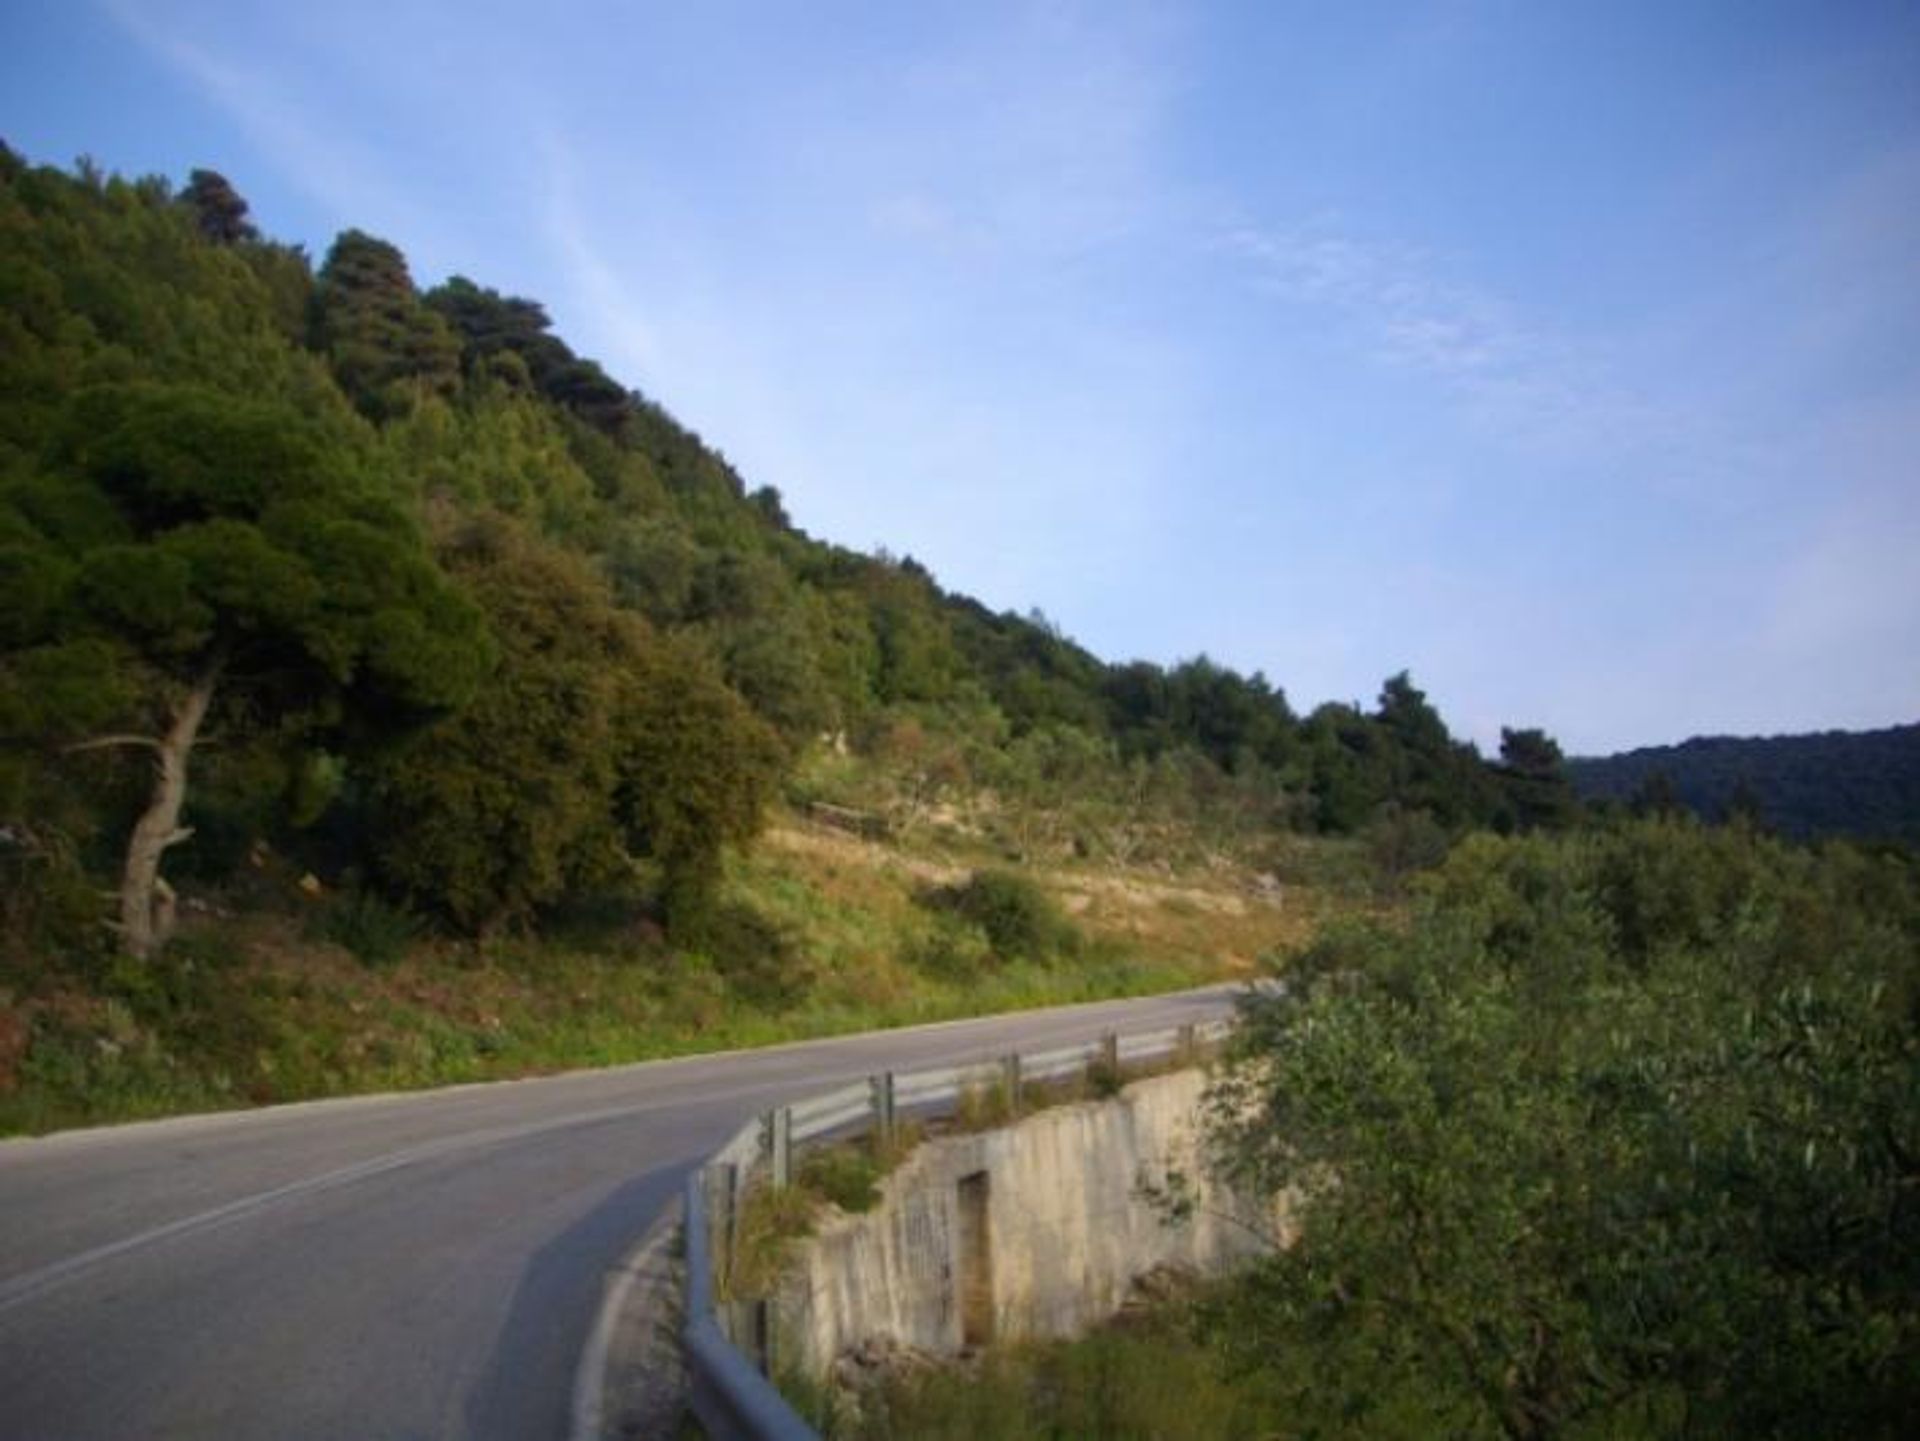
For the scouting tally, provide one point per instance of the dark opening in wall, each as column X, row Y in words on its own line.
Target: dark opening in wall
column 976, row 1260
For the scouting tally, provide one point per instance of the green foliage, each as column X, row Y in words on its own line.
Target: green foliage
column 696, row 770
column 1401, row 842
column 217, row 208
column 49, row 906
column 845, row 1176
column 1533, row 774
column 1231, row 720
column 952, row 949
column 754, row 954
column 1154, row 1380
column 917, row 659
column 1019, row 919
column 203, row 548
column 509, row 338
column 1617, row 1139
column 376, row 931
column 1864, row 784
column 217, row 523
column 213, row 459
column 595, row 737
column 385, row 346
column 506, row 807
column 769, row 1220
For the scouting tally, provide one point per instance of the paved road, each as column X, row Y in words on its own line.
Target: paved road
column 388, row 1268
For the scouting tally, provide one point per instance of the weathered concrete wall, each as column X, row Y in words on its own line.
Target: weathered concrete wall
column 1067, row 1231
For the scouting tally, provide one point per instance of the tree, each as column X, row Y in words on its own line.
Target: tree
column 491, row 325
column 1350, row 767
column 1655, row 796
column 1744, row 805
column 185, row 547
column 1408, row 716
column 379, row 337
column 597, row 741
column 696, row 770
column 918, row 661
column 506, row 807
column 217, row 208
column 1534, row 776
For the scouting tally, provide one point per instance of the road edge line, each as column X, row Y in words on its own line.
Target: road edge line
column 588, row 1419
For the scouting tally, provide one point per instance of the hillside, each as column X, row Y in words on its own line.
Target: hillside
column 1836, row 783
column 336, row 611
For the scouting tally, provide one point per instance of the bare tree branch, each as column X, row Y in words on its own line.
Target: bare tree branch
column 103, row 742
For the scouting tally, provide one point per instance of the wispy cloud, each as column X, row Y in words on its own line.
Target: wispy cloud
column 1414, row 319
column 594, row 281
column 1031, row 139
column 1401, row 312
column 310, row 154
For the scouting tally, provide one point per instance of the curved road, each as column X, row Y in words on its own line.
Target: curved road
column 386, row 1268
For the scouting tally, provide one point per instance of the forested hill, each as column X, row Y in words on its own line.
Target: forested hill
column 479, row 629
column 1851, row 783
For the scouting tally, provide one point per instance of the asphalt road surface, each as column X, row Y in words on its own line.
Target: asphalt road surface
column 386, row 1268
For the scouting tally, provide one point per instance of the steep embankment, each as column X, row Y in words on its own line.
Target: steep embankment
column 836, row 934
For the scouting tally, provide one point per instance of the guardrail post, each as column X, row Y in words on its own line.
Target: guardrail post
column 881, row 1089
column 778, row 1130
column 1189, row 1044
column 1110, row 1053
column 1010, row 1076
column 723, row 1198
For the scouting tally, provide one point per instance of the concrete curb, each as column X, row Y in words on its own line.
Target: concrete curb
column 629, row 1381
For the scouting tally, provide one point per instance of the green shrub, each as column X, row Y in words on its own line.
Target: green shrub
column 848, row 1176
column 50, row 909
column 986, row 1102
column 1628, row 1114
column 206, row 1007
column 951, row 950
column 754, row 954
column 767, row 1224
column 1149, row 1379
column 375, row 930
column 1018, row 918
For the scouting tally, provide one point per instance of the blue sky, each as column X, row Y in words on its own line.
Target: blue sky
column 1566, row 354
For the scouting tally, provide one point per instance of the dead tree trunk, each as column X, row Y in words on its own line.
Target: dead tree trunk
column 146, row 900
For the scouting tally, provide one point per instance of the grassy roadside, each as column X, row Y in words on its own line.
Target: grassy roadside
column 823, row 934
column 1147, row 1374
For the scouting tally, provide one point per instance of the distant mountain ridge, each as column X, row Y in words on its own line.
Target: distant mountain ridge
column 1851, row 783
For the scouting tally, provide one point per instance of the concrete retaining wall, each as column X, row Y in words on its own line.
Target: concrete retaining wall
column 1035, row 1230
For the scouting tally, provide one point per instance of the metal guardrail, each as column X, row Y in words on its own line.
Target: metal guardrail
column 730, row 1394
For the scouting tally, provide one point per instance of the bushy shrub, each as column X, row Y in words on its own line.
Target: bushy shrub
column 206, row 1006
column 848, row 1176
column 1019, row 920
column 1626, row 1116
column 951, row 950
column 754, row 954
column 49, row 907
column 376, row 931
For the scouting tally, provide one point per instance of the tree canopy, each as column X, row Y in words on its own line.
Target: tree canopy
column 1864, row 784
column 1620, row 1138
column 185, row 548
column 222, row 463
column 217, row 208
